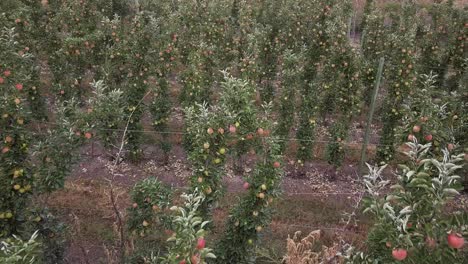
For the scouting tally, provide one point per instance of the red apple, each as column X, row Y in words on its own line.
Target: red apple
column 88, row 135
column 260, row 131
column 455, row 240
column 183, row 262
column 276, row 164
column 221, row 130
column 19, row 86
column 411, row 137
column 428, row 137
column 2, row 80
column 450, row 146
column 430, row 242
column 194, row 259
column 416, row 129
column 201, row 243
column 249, row 136
column 246, row 185
column 399, row 254
column 232, row 129
column 210, row 131
column 7, row 73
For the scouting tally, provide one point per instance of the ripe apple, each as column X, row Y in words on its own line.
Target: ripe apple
column 201, row 243
column 232, row 129
column 8, row 139
column 246, row 185
column 259, row 228
column 2, row 80
column 194, row 259
column 276, row 164
column 5, row 150
column 200, row 179
column 399, row 254
column 88, row 135
column 221, row 130
column 428, row 137
column 261, row 195
column 210, row 131
column 455, row 240
column 7, row 73
column 450, row 146
column 249, row 136
column 260, row 131
column 19, row 86
column 17, row 187
column 431, row 242
column 134, row 205
column 183, row 262
column 416, row 129
column 411, row 137
column 145, row 223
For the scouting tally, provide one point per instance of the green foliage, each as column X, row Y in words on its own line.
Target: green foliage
column 412, row 215
column 148, row 214
column 187, row 242
column 17, row 251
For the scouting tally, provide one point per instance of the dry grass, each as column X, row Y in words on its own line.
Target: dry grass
column 304, row 250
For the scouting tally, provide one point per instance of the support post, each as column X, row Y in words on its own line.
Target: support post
column 371, row 115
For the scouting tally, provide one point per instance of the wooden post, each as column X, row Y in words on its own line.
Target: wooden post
column 371, row 115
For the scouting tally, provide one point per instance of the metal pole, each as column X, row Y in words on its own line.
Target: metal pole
column 371, row 114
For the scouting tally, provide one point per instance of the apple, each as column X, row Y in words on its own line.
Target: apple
column 145, row 223
column 388, row 244
column 200, row 179
column 261, row 195
column 276, row 164
column 88, row 135
column 194, row 259
column 8, row 139
column 134, row 205
column 264, row 187
column 399, row 254
column 431, row 242
column 19, row 86
column 155, row 208
column 17, row 101
column 450, row 146
column 232, row 129
column 249, row 136
column 209, row 131
column 222, row 151
column 17, row 187
column 246, row 185
column 411, row 137
column 416, row 129
column 260, row 131
column 455, row 240
column 2, row 80
column 7, row 73
column 259, row 228
column 183, row 262
column 428, row 137
column 201, row 243
column 221, row 130
column 206, row 145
